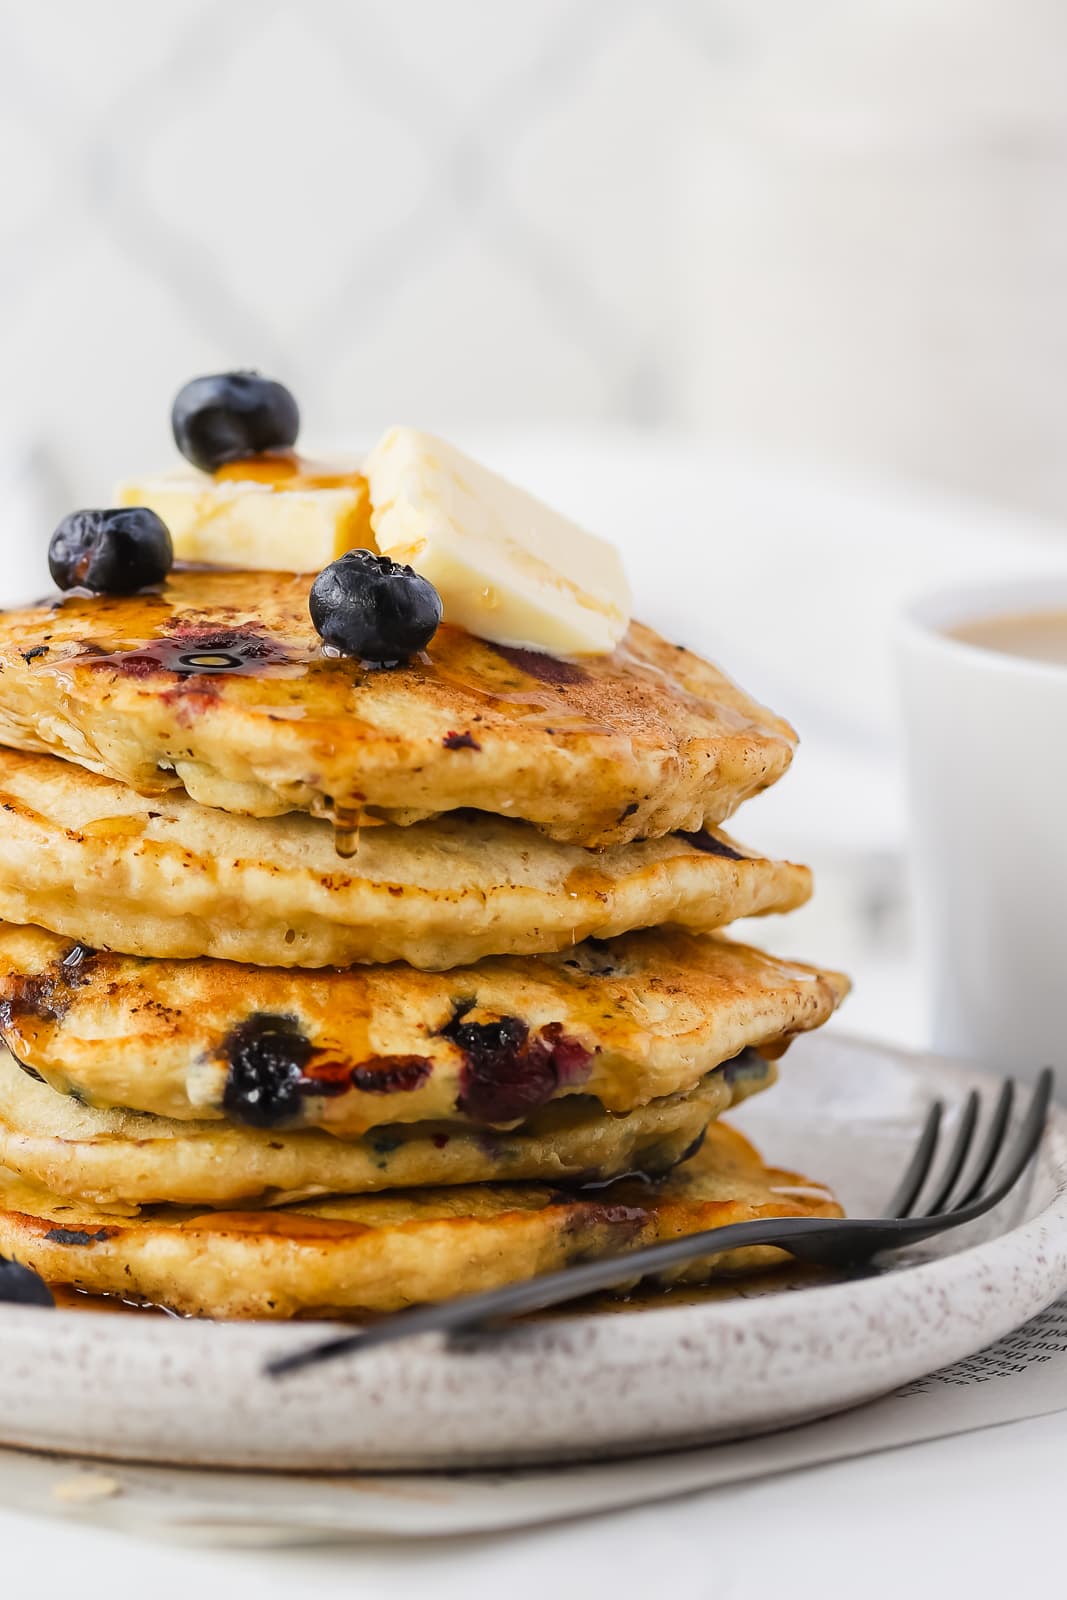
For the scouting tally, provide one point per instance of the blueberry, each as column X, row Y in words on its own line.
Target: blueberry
column 506, row 1074
column 20, row 1286
column 265, row 1083
column 117, row 551
column 368, row 606
column 230, row 415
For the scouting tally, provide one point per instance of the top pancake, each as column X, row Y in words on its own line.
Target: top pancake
column 218, row 683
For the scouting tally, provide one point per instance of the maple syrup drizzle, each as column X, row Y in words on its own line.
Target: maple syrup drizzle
column 286, row 470
column 195, row 628
column 198, row 629
column 588, row 880
column 569, row 698
column 200, row 652
column 346, row 825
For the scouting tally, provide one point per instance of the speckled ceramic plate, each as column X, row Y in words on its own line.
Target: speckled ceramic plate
column 588, row 1384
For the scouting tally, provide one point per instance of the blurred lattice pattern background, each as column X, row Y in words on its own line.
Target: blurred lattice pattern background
column 832, row 228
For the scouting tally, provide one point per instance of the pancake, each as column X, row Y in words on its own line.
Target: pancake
column 120, row 1156
column 375, row 1253
column 630, row 1021
column 218, row 683
column 90, row 858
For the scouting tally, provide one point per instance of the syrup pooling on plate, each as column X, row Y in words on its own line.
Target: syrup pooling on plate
column 649, row 1297
column 68, row 1298
column 669, row 1297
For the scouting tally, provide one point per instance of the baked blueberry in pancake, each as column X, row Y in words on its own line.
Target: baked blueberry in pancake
column 91, row 858
column 126, row 1158
column 217, row 682
column 379, row 1253
column 627, row 1021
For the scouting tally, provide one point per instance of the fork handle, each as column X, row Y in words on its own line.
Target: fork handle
column 811, row 1238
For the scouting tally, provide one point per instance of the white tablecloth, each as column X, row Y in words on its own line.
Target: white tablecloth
column 979, row 1515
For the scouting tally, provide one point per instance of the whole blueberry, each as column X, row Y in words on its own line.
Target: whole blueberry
column 20, row 1286
column 368, row 606
column 116, row 551
column 232, row 414
column 265, row 1082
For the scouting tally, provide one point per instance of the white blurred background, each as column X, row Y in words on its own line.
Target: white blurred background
column 772, row 291
column 834, row 227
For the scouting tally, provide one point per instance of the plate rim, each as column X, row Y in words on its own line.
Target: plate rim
column 302, row 1332
column 1026, row 1266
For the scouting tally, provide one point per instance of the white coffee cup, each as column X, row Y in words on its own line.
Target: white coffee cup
column 986, row 747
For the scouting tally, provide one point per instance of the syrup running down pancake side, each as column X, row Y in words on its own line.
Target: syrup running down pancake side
column 171, row 877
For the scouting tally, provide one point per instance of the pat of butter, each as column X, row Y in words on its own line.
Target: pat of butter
column 267, row 526
column 507, row 567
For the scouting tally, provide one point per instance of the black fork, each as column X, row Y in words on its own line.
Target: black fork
column 828, row 1241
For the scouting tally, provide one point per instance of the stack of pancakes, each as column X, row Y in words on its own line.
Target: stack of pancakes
column 329, row 989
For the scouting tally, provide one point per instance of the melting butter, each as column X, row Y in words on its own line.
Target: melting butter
column 507, row 567
column 269, row 513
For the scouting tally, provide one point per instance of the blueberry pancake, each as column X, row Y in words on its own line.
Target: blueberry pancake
column 90, row 858
column 123, row 1157
column 218, row 683
column 628, row 1021
column 375, row 1253
column 361, row 888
